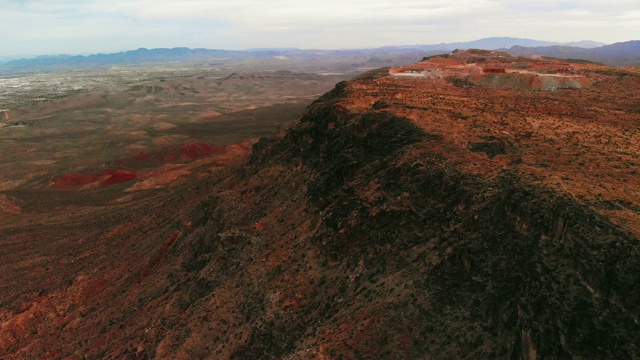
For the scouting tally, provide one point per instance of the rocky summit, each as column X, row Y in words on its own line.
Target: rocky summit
column 472, row 205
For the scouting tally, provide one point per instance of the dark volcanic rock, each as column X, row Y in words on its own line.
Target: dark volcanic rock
column 491, row 148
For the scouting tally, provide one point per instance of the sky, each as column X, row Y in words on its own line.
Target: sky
column 37, row 27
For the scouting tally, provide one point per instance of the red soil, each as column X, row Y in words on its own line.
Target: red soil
column 142, row 156
column 158, row 256
column 159, row 157
column 188, row 151
column 107, row 177
column 199, row 149
column 117, row 176
column 74, row 179
column 494, row 71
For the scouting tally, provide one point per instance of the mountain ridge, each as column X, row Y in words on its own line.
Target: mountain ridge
column 159, row 55
column 471, row 205
column 622, row 53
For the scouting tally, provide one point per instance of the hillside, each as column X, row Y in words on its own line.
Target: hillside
column 472, row 205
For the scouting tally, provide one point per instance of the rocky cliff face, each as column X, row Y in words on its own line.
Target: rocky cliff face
column 398, row 217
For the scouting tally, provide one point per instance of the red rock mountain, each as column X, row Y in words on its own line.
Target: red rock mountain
column 475, row 205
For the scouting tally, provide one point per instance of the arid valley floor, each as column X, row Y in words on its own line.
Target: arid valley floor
column 80, row 151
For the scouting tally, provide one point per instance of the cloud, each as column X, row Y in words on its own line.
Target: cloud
column 33, row 26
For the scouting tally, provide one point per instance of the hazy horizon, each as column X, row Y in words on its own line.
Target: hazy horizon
column 39, row 27
column 15, row 57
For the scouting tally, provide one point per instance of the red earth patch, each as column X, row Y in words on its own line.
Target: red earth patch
column 158, row 256
column 117, row 176
column 109, row 176
column 199, row 149
column 74, row 179
column 260, row 226
column 156, row 157
column 188, row 151
column 494, row 71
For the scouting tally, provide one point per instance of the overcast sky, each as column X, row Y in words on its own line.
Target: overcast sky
column 34, row 27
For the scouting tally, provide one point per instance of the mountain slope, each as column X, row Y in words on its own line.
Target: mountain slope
column 475, row 205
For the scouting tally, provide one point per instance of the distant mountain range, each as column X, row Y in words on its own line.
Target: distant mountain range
column 494, row 43
column 285, row 59
column 623, row 53
column 616, row 54
column 141, row 55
